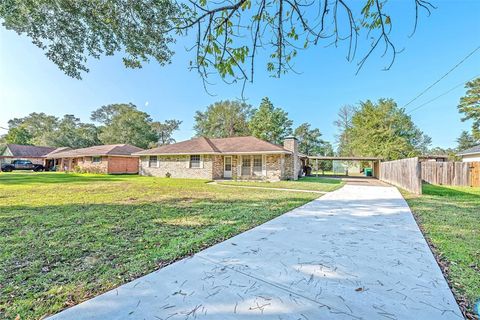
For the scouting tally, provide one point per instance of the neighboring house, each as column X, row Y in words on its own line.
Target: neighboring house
column 35, row 154
column 470, row 155
column 223, row 158
column 112, row 159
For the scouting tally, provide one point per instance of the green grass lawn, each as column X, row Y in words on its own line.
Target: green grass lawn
column 450, row 219
column 304, row 183
column 65, row 238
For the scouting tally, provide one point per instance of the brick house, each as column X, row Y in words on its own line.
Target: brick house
column 36, row 154
column 224, row 158
column 111, row 159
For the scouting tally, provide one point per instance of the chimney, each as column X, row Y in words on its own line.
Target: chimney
column 290, row 143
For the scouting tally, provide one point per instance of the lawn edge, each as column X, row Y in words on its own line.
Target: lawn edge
column 464, row 305
column 167, row 263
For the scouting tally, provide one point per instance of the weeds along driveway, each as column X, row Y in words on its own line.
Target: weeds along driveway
column 355, row 253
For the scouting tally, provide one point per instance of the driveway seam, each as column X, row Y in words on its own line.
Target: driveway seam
column 278, row 286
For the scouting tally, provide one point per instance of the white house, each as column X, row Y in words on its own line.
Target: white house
column 470, row 155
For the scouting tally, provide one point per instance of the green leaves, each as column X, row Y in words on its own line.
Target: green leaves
column 70, row 32
column 469, row 106
column 382, row 129
column 223, row 119
column 226, row 34
column 270, row 123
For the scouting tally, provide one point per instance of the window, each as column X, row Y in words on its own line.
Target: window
column 153, row 161
column 96, row 159
column 246, row 166
column 195, row 161
column 257, row 165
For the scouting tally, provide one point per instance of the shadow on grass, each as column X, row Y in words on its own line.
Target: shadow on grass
column 26, row 178
column 57, row 255
column 449, row 191
column 319, row 180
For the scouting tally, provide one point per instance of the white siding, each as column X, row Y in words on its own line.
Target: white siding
column 471, row 157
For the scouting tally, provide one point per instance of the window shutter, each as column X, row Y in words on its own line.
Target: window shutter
column 188, row 161
column 201, row 161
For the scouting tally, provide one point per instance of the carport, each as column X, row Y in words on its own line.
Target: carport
column 374, row 163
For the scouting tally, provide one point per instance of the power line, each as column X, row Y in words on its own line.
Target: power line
column 445, row 75
column 441, row 95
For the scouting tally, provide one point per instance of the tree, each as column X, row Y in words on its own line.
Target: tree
column 344, row 124
column 466, row 141
column 470, row 106
column 164, row 131
column 384, row 130
column 124, row 123
column 72, row 133
column 223, row 119
column 18, row 135
column 227, row 34
column 71, row 31
column 32, row 129
column 270, row 123
column 309, row 140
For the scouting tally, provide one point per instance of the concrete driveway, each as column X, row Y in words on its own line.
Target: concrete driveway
column 355, row 253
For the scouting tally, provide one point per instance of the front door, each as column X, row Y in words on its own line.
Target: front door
column 227, row 167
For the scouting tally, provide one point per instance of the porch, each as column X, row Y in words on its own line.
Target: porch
column 251, row 167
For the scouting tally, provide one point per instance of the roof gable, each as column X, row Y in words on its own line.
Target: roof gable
column 18, row 150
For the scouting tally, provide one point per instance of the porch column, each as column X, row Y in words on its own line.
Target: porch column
column 251, row 166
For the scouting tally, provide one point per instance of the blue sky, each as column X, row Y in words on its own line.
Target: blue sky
column 29, row 82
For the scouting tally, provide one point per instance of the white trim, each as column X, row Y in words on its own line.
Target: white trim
column 156, row 162
column 189, row 160
column 231, row 167
column 468, row 154
column 264, row 165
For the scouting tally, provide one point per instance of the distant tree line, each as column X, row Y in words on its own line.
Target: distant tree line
column 115, row 124
column 125, row 123
column 380, row 128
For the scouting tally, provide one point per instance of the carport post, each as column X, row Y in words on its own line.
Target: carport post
column 316, row 166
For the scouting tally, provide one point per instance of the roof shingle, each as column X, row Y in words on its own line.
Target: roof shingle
column 24, row 151
column 475, row 149
column 202, row 145
column 105, row 150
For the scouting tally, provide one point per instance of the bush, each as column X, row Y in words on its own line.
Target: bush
column 168, row 175
column 92, row 169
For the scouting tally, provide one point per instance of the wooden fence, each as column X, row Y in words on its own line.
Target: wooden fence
column 475, row 174
column 446, row 173
column 404, row 173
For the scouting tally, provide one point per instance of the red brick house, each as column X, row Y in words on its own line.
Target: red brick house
column 236, row 157
column 111, row 159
